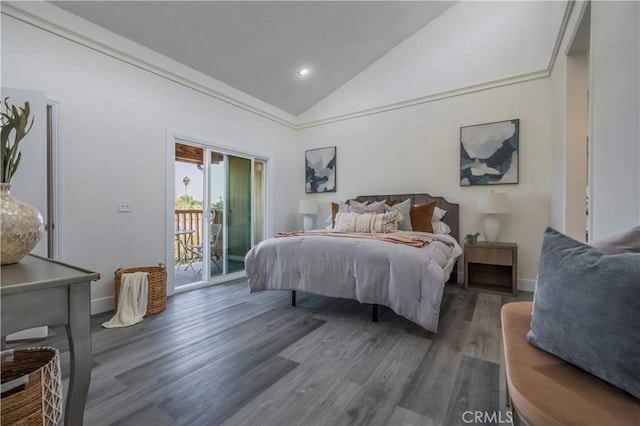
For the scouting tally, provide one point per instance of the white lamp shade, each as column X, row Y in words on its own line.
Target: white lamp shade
column 494, row 203
column 307, row 207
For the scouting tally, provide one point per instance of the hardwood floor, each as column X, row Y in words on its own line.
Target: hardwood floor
column 220, row 355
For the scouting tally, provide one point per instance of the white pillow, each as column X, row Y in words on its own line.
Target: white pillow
column 440, row 228
column 368, row 222
column 438, row 214
column 358, row 207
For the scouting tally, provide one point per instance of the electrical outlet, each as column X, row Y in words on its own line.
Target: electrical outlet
column 125, row 206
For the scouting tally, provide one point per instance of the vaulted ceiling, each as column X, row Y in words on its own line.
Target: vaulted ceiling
column 258, row 46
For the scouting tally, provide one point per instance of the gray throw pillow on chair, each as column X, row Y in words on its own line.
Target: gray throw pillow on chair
column 587, row 309
column 626, row 242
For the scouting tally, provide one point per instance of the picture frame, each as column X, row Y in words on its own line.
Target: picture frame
column 489, row 153
column 320, row 170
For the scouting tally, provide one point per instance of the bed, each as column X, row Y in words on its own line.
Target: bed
column 409, row 280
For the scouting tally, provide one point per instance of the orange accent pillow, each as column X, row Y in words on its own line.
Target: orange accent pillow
column 421, row 216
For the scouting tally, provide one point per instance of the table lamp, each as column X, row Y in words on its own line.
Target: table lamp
column 307, row 208
column 492, row 204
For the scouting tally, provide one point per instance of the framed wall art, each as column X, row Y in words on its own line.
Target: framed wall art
column 489, row 153
column 320, row 170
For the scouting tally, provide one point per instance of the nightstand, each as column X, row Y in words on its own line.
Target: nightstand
column 491, row 267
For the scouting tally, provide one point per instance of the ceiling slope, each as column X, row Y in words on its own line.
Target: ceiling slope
column 256, row 47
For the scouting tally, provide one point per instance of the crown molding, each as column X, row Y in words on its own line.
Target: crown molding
column 493, row 84
column 290, row 122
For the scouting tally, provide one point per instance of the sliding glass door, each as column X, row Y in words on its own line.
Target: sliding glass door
column 226, row 212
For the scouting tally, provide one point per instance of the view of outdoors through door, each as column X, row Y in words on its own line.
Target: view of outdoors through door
column 218, row 212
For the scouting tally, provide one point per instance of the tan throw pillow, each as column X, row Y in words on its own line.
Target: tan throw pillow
column 358, row 207
column 421, row 216
column 368, row 222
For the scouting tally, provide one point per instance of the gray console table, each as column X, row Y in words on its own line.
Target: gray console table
column 37, row 292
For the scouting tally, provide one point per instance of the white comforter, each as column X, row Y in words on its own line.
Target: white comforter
column 408, row 280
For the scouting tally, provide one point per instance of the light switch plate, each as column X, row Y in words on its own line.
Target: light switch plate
column 125, row 206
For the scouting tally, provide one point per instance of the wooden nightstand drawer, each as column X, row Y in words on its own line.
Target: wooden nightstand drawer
column 490, row 256
column 491, row 267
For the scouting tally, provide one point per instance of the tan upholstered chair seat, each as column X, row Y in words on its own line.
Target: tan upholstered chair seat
column 545, row 390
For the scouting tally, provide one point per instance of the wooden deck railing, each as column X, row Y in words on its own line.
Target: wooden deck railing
column 187, row 219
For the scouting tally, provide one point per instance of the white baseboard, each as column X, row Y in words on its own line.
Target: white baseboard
column 526, row 285
column 99, row 306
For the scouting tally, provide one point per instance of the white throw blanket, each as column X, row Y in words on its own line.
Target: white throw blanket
column 132, row 301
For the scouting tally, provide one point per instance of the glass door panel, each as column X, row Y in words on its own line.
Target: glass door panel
column 238, row 212
column 217, row 196
column 188, row 238
column 258, row 201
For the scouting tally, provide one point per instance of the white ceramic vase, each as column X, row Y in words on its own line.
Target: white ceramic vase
column 21, row 227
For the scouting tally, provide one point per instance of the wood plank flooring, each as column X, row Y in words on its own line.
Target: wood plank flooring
column 220, row 355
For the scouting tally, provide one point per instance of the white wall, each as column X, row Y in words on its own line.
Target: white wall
column 113, row 125
column 558, row 110
column 115, row 115
column 417, row 149
column 577, row 125
column 399, row 120
column 615, row 117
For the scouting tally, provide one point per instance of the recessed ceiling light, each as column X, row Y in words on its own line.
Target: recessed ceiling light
column 303, row 72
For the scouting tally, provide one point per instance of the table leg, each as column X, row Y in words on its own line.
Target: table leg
column 79, row 334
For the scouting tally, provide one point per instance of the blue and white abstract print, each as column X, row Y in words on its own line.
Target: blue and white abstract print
column 320, row 170
column 489, row 153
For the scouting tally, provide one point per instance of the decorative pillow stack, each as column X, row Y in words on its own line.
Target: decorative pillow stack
column 354, row 206
column 587, row 308
column 368, row 222
column 423, row 218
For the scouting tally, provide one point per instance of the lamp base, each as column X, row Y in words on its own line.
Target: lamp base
column 491, row 225
column 307, row 222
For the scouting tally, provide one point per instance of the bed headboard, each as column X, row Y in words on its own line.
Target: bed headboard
column 451, row 218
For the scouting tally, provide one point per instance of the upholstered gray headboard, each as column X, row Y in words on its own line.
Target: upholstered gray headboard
column 452, row 218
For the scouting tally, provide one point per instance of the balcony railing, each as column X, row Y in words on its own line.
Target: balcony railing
column 187, row 220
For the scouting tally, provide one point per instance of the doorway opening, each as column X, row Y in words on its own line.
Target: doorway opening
column 577, row 133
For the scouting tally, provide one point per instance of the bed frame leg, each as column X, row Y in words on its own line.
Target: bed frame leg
column 374, row 312
column 293, row 298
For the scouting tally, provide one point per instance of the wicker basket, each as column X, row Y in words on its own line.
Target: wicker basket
column 31, row 387
column 157, row 293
